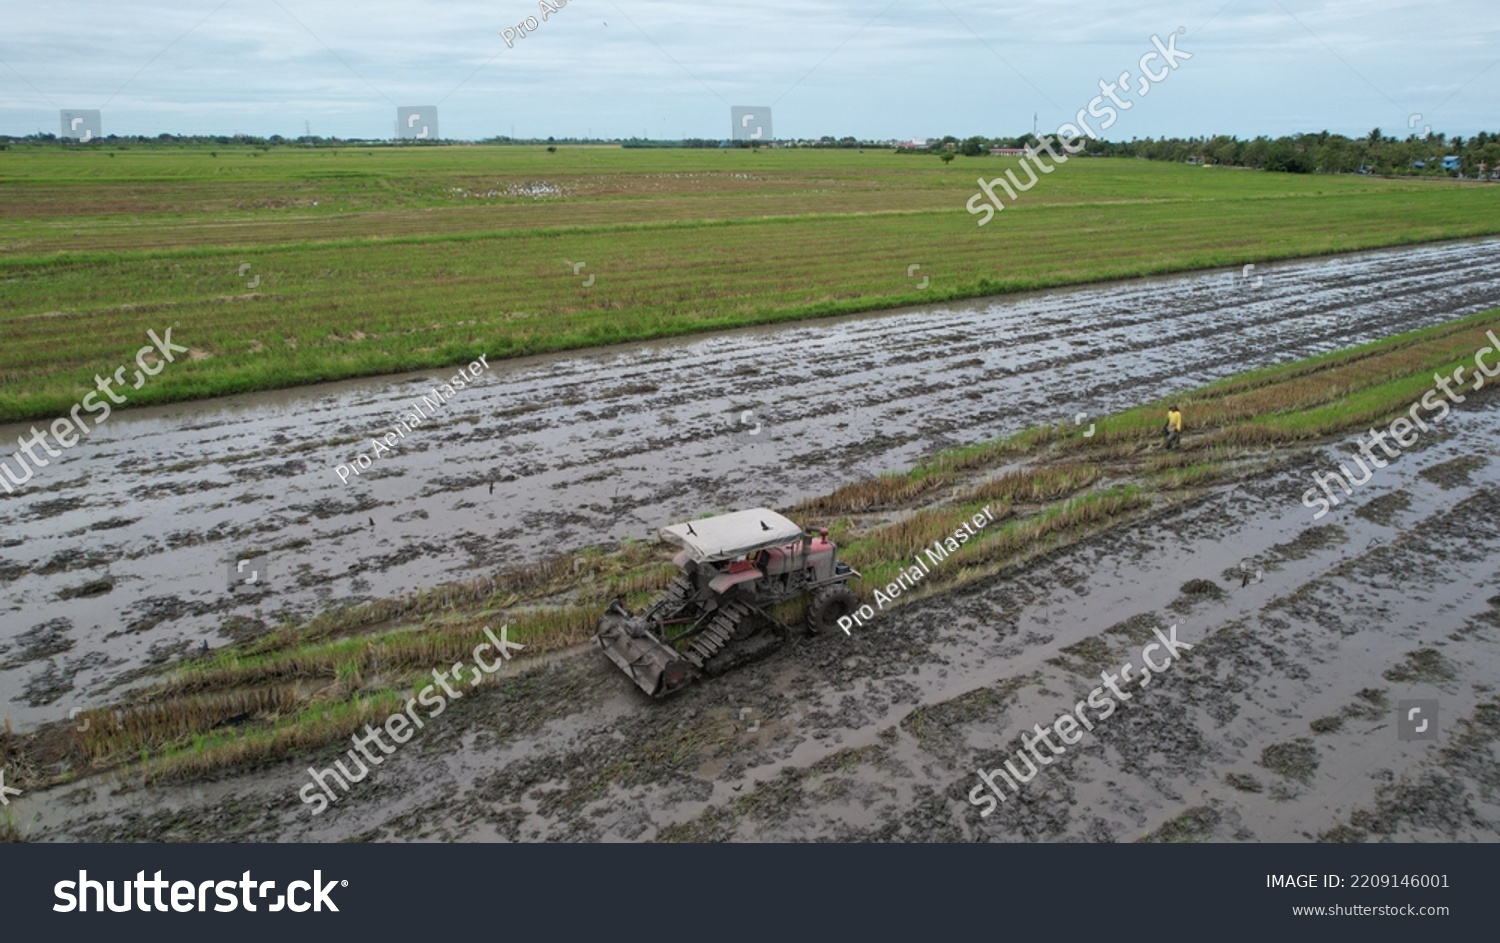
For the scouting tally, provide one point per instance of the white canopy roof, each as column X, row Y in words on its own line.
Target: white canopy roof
column 731, row 535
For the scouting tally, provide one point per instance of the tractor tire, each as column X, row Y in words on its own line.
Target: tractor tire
column 828, row 604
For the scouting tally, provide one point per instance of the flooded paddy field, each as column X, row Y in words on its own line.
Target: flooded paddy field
column 119, row 554
column 1276, row 721
column 1277, row 724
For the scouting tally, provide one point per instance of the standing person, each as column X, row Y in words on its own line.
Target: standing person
column 1173, row 429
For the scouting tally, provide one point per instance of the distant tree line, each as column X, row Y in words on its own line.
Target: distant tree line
column 1323, row 152
column 1329, row 153
column 223, row 140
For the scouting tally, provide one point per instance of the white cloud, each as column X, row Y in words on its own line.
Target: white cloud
column 670, row 68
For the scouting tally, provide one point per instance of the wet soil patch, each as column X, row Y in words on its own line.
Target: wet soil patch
column 1244, row 782
column 1138, row 628
column 56, row 680
column 1384, row 509
column 1454, row 473
column 40, row 641
column 43, row 510
column 148, row 613
column 87, row 590
column 1194, row 592
column 1313, row 540
column 114, row 523
column 72, row 559
column 1297, row 760
column 1194, row 825
column 1424, row 665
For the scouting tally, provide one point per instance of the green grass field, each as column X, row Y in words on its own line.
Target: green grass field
column 383, row 259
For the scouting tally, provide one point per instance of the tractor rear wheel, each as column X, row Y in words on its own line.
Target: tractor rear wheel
column 828, row 604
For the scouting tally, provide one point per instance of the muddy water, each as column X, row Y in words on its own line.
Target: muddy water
column 118, row 555
column 1278, row 724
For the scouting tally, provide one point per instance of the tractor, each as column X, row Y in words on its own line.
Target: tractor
column 713, row 615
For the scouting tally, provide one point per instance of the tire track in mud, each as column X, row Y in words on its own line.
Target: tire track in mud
column 126, row 542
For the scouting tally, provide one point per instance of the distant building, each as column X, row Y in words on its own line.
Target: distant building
column 1008, row 151
column 1450, row 162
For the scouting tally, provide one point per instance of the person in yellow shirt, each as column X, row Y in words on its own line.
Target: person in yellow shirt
column 1173, row 429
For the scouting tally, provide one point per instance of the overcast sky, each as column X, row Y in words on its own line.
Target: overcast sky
column 669, row 68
